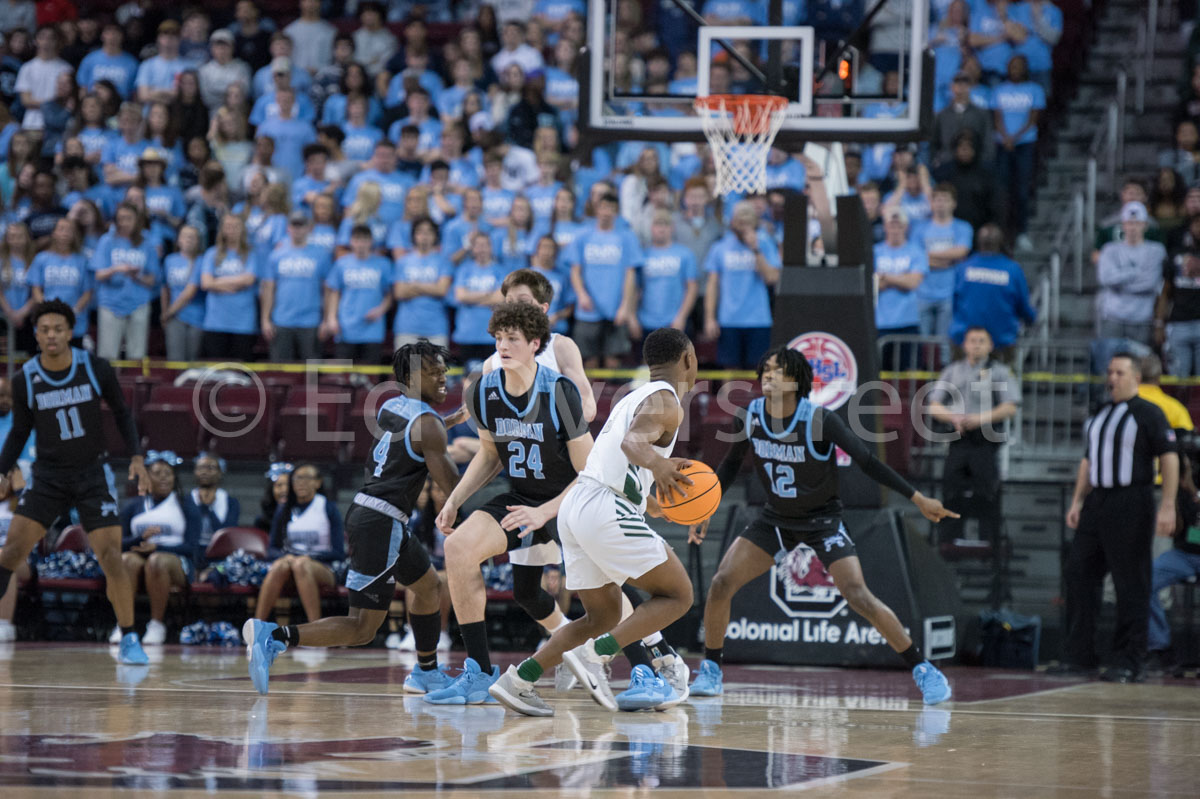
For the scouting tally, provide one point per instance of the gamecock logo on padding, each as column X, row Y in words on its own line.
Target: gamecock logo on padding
column 835, row 370
column 802, row 588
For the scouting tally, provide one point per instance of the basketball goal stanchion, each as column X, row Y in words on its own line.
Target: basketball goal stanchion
column 740, row 129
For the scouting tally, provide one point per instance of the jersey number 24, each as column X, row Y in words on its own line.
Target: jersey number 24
column 517, row 456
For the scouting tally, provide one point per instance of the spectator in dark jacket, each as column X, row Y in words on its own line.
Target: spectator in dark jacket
column 160, row 537
column 990, row 292
column 217, row 507
column 530, row 113
column 979, row 195
column 961, row 114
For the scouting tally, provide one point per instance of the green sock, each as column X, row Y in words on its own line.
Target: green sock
column 529, row 670
column 607, row 645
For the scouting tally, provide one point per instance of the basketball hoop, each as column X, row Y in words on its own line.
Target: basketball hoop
column 740, row 129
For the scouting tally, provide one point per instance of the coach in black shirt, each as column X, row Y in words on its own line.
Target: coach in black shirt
column 1114, row 516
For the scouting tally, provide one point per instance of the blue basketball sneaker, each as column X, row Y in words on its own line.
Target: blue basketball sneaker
column 422, row 681
column 131, row 652
column 470, row 688
column 263, row 650
column 933, row 685
column 709, row 682
column 646, row 690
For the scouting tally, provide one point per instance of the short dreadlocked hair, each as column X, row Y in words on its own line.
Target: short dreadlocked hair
column 521, row 316
column 419, row 353
column 794, row 364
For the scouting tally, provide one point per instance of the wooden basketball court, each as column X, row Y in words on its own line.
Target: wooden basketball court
column 73, row 723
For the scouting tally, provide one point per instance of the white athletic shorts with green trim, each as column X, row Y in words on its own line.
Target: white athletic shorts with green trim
column 605, row 538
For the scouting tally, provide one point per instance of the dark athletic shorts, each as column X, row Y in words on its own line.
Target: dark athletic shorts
column 92, row 491
column 497, row 508
column 382, row 553
column 831, row 544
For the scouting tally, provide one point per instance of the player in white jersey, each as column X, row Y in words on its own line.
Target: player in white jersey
column 531, row 287
column 561, row 353
column 606, row 541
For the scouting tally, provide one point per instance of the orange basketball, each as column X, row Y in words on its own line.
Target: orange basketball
column 700, row 500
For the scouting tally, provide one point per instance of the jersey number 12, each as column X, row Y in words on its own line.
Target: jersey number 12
column 782, row 479
column 69, row 424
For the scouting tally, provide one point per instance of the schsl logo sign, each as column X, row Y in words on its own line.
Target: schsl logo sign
column 835, row 370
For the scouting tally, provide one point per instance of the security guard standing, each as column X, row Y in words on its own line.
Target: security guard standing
column 1113, row 513
column 975, row 396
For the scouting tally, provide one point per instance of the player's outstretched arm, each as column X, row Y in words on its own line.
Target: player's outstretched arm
column 835, row 432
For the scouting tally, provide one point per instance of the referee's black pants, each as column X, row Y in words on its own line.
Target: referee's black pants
column 971, row 486
column 1116, row 528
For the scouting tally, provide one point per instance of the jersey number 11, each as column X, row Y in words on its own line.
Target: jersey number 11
column 69, row 424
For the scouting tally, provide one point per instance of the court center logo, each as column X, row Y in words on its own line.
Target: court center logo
column 802, row 588
column 835, row 369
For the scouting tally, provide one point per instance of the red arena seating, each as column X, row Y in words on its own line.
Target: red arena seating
column 230, row 428
column 169, row 418
column 320, row 410
column 228, row 540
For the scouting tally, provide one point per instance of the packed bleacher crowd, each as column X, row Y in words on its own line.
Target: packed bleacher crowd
column 261, row 185
column 227, row 183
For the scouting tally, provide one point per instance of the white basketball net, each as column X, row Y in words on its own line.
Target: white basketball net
column 740, row 130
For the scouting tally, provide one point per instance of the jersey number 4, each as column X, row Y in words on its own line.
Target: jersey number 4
column 782, row 479
column 69, row 424
column 380, row 452
column 517, row 457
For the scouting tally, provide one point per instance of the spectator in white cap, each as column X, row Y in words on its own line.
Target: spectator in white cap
column 1130, row 273
column 222, row 70
column 266, row 107
column 267, row 78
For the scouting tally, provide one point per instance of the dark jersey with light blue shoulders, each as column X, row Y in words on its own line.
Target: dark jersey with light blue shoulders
column 531, row 431
column 63, row 408
column 795, row 461
column 396, row 473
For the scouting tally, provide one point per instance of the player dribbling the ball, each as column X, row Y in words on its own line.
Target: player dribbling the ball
column 606, row 541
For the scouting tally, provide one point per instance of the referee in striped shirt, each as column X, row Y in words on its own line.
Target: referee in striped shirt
column 1114, row 516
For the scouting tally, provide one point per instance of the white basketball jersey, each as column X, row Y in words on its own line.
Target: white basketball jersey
column 607, row 463
column 546, row 357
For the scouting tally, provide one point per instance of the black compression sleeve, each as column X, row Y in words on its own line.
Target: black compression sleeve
column 110, row 389
column 22, row 426
column 727, row 472
column 834, row 431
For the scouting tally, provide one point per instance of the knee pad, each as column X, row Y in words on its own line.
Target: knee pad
column 529, row 594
